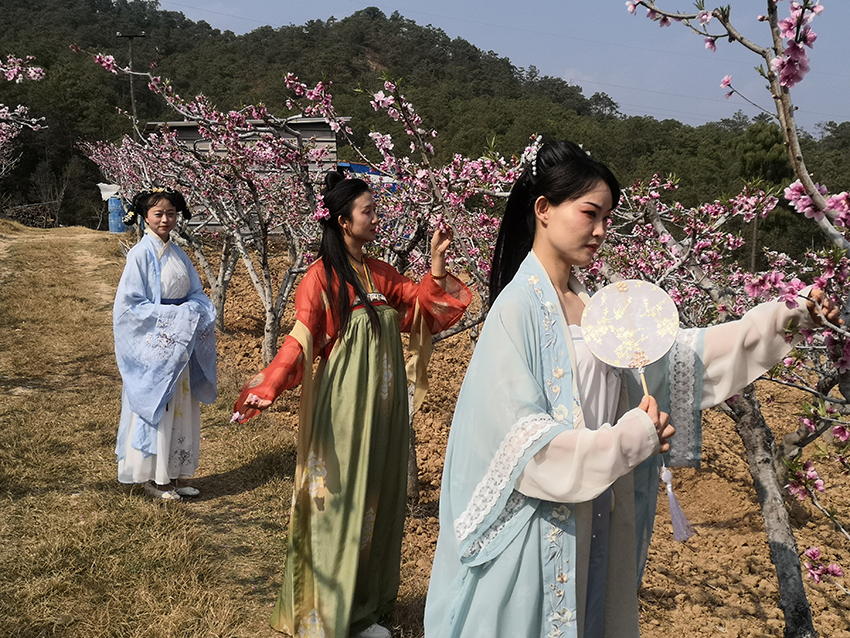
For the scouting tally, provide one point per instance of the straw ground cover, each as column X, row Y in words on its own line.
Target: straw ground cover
column 82, row 556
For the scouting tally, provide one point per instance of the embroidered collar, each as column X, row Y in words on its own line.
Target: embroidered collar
column 163, row 245
column 367, row 281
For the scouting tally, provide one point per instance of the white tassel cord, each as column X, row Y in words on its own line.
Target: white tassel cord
column 682, row 529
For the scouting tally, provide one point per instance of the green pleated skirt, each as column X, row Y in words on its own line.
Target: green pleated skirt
column 344, row 545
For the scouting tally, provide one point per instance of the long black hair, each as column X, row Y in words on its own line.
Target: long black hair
column 561, row 172
column 338, row 197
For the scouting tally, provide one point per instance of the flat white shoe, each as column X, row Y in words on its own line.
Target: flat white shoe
column 164, row 495
column 188, row 490
column 375, row 631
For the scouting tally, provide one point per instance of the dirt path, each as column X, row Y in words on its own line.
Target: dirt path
column 81, row 555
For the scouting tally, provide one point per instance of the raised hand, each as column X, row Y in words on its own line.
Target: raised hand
column 821, row 307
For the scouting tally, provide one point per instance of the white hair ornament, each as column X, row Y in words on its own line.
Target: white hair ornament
column 529, row 155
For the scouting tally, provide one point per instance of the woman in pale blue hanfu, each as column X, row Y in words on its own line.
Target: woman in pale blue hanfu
column 550, row 481
column 164, row 329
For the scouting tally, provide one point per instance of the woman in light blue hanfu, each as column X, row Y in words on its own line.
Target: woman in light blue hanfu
column 164, row 328
column 551, row 474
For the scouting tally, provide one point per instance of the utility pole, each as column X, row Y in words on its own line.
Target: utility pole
column 130, row 37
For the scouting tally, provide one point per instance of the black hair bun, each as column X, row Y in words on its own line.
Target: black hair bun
column 332, row 178
column 132, row 215
column 140, row 204
column 129, row 218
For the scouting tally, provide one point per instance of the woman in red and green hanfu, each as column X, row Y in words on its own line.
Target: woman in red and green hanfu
column 344, row 546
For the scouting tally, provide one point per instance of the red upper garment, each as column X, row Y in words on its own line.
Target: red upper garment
column 440, row 309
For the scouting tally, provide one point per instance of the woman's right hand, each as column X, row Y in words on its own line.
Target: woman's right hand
column 253, row 401
column 248, row 406
column 661, row 420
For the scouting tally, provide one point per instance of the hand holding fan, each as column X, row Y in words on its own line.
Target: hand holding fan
column 630, row 324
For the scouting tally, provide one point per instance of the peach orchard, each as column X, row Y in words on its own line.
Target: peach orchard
column 261, row 175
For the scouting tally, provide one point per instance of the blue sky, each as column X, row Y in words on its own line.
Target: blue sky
column 598, row 45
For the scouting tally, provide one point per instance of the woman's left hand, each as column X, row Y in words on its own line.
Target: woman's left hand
column 439, row 245
column 440, row 241
column 820, row 306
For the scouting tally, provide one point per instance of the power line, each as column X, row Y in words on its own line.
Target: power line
column 218, row 13
column 570, row 37
column 690, row 97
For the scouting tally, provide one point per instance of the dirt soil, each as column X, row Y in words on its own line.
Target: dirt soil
column 720, row 582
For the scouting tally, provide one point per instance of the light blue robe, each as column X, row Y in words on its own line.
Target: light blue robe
column 508, row 565
column 155, row 341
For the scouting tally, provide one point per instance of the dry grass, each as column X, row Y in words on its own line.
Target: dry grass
column 9, row 227
column 84, row 557
column 80, row 554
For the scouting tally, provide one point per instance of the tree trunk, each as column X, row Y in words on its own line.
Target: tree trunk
column 218, row 295
column 271, row 332
column 760, row 445
column 217, row 281
column 412, row 462
column 754, row 249
column 227, row 264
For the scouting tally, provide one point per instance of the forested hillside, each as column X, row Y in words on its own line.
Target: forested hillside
column 477, row 100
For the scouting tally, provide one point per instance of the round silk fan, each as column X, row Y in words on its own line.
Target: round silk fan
column 630, row 324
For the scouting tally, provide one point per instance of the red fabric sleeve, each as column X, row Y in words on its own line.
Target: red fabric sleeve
column 440, row 308
column 286, row 369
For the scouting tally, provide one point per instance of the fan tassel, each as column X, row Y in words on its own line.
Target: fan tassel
column 682, row 528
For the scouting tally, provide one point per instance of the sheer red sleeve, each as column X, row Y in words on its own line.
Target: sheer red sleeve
column 440, row 308
column 285, row 371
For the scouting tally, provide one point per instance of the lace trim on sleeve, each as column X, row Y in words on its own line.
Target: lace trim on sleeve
column 514, row 502
column 682, row 369
column 520, row 437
